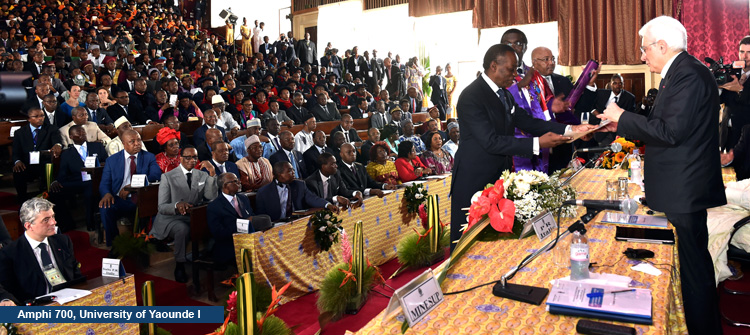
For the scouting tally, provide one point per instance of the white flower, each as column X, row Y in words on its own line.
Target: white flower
column 327, row 217
column 330, row 237
column 322, row 228
column 418, row 196
column 328, row 223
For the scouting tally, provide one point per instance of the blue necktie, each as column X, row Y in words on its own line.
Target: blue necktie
column 294, row 164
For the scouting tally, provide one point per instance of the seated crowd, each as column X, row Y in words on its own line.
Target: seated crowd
column 106, row 80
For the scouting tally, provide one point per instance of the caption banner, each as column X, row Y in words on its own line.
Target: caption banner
column 112, row 314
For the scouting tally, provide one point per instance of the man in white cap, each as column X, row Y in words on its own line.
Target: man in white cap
column 238, row 144
column 96, row 57
column 225, row 118
column 115, row 145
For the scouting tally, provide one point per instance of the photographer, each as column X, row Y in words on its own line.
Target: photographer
column 123, row 39
column 736, row 101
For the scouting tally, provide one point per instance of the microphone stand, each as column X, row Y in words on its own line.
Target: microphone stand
column 589, row 162
column 531, row 294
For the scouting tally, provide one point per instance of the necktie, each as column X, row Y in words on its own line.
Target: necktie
column 346, row 136
column 743, row 78
column 616, row 98
column 276, row 143
column 354, row 171
column 46, row 259
column 93, row 115
column 221, row 168
column 236, row 206
column 294, row 164
column 36, row 135
column 549, row 83
column 84, row 153
column 325, row 189
column 413, row 105
column 501, row 94
column 126, row 110
column 325, row 108
column 189, row 176
column 132, row 166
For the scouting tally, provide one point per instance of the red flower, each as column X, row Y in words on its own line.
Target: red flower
column 502, row 215
column 423, row 215
column 232, row 306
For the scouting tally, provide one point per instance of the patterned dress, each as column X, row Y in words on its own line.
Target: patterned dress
column 383, row 173
column 254, row 175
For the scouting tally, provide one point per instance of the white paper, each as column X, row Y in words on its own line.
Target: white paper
column 138, row 180
column 573, row 294
column 602, row 279
column 646, row 268
column 410, row 183
column 386, row 192
column 67, row 295
column 34, row 157
column 85, row 176
column 13, row 130
column 243, row 226
column 90, row 162
column 437, row 177
column 110, row 267
column 173, row 100
column 356, row 68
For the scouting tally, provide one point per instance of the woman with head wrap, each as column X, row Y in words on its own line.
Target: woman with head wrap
column 169, row 158
column 255, row 171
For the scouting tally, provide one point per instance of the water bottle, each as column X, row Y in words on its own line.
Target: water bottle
column 579, row 257
column 634, row 168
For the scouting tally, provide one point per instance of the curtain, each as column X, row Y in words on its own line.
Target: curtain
column 714, row 27
column 605, row 30
column 493, row 13
column 419, row 8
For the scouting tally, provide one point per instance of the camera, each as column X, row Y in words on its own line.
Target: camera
column 723, row 72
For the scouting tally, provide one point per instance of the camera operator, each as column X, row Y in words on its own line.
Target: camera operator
column 124, row 40
column 736, row 101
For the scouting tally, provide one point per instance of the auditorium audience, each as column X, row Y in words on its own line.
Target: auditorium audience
column 28, row 143
column 355, row 175
column 327, row 183
column 285, row 194
column 408, row 164
column 380, row 167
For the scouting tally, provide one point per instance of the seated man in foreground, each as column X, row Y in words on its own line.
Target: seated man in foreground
column 721, row 222
column 284, row 195
column 40, row 261
column 355, row 175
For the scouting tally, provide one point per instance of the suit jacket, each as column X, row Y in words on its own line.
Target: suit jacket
column 173, row 188
column 361, row 181
column 30, row 103
column 102, row 117
column 364, row 152
column 114, row 171
column 199, row 136
column 222, row 221
column 135, row 114
column 357, row 63
column 412, row 110
column 683, row 174
column 378, row 120
column 311, row 158
column 357, row 113
column 395, row 86
column 321, row 115
column 61, row 119
column 737, row 109
column 69, row 173
column 488, row 143
column 20, row 273
column 336, row 186
column 439, row 96
column 280, row 156
column 353, row 136
column 228, row 166
column 280, row 116
column 307, row 54
column 23, row 142
column 298, row 115
column 265, row 49
column 204, row 152
column 267, row 199
column 741, row 163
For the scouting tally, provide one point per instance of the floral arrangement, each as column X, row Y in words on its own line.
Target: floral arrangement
column 614, row 160
column 414, row 196
column 326, row 227
column 266, row 323
column 533, row 192
column 426, row 246
column 346, row 286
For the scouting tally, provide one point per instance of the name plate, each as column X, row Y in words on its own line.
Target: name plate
column 112, row 267
column 90, row 162
column 138, row 180
column 543, row 224
column 415, row 299
column 34, row 157
column 242, row 226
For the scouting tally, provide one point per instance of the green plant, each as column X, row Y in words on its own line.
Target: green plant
column 425, row 59
column 126, row 246
column 414, row 196
column 326, row 227
column 334, row 296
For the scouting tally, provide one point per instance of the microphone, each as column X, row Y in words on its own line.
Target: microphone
column 627, row 206
column 614, row 147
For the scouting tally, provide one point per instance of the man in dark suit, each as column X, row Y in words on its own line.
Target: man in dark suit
column 28, row 142
column 70, row 181
column 648, row 102
column 210, row 119
column 297, row 112
column 98, row 115
column 327, row 183
column 736, row 101
column 432, row 126
column 288, row 154
column 357, row 65
column 266, row 48
column 605, row 97
column 205, row 150
column 311, row 155
column 307, row 51
column 117, row 202
column 53, row 114
column 490, row 114
column 223, row 212
column 373, row 135
column 324, row 110
column 284, row 195
column 20, row 271
column 683, row 174
column 350, row 134
column 123, row 107
column 221, row 159
column 439, row 96
column 41, row 90
column 394, row 76
column 35, row 65
column 415, row 101
column 355, row 175
column 359, row 109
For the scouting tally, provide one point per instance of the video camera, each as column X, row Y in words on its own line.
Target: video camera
column 723, row 72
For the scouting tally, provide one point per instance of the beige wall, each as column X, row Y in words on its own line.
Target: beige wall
column 651, row 79
column 302, row 21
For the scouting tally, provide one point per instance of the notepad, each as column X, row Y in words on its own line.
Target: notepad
column 572, row 295
column 634, row 220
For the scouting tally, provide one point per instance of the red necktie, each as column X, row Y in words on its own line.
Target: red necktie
column 132, row 166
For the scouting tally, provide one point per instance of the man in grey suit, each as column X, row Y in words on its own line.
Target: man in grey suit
column 280, row 115
column 324, row 110
column 181, row 189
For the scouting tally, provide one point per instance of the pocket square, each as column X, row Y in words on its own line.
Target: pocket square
column 201, row 184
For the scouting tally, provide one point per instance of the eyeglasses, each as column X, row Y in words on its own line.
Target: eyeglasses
column 643, row 49
column 236, row 181
column 545, row 59
column 516, row 43
column 190, row 157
